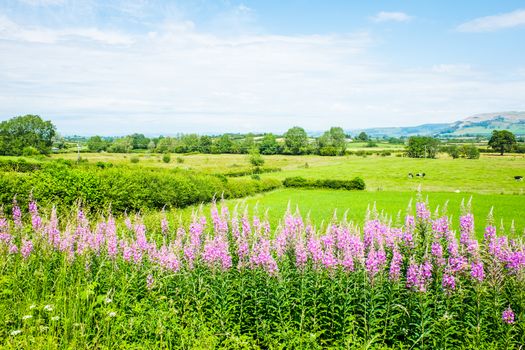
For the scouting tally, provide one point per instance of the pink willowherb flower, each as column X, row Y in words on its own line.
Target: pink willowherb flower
column 27, row 248
column 508, row 316
column 395, row 266
column 17, row 214
column 36, row 220
column 422, row 212
column 476, row 271
column 449, row 282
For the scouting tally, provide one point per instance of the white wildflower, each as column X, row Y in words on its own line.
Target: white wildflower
column 16, row 332
column 48, row 307
column 27, row 317
column 55, row 318
column 108, row 300
column 112, row 314
column 32, row 306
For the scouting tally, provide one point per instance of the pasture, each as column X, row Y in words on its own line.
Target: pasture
column 488, row 180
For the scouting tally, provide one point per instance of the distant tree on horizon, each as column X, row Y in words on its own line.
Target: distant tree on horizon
column 28, row 131
column 502, row 141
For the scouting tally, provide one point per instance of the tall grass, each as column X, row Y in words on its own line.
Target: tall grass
column 236, row 282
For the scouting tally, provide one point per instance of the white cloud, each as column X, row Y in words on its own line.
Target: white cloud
column 391, row 16
column 493, row 23
column 180, row 79
column 10, row 30
column 452, row 68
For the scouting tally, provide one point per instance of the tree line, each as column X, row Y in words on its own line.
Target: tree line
column 30, row 135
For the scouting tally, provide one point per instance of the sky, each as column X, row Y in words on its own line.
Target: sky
column 114, row 67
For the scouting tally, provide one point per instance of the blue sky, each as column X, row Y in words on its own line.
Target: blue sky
column 159, row 67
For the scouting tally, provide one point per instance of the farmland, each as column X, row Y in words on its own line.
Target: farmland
column 489, row 181
column 267, row 266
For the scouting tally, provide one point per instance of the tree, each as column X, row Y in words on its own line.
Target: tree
column 362, row 136
column 269, row 144
column 205, row 144
column 151, row 146
column 247, row 144
column 122, row 145
column 224, row 144
column 296, row 140
column 97, row 144
column 255, row 158
column 26, row 131
column 139, row 141
column 422, row 147
column 502, row 141
column 332, row 142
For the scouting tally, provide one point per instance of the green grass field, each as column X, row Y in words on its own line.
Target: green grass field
column 489, row 174
column 488, row 180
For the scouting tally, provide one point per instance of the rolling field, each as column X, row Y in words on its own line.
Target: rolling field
column 488, row 180
column 489, row 174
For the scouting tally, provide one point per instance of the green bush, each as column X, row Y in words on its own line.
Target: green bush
column 166, row 158
column 122, row 188
column 134, row 159
column 180, row 160
column 298, row 181
column 470, row 151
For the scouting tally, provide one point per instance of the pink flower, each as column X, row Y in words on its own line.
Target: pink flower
column 449, row 282
column 508, row 316
column 27, row 248
column 476, row 271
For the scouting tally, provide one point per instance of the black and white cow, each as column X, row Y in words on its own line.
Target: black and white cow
column 518, row 178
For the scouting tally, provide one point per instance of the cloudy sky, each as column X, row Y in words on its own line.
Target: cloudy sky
column 114, row 67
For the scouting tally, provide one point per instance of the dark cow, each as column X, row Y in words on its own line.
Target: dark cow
column 420, row 174
column 410, row 175
column 518, row 178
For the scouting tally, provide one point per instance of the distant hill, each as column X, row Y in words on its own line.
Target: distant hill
column 476, row 125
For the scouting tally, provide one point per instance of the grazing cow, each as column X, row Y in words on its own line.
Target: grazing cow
column 518, row 178
column 410, row 175
column 420, row 174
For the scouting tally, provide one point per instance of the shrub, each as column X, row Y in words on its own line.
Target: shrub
column 30, row 151
column 298, row 181
column 180, row 160
column 134, row 159
column 470, row 151
column 123, row 188
column 166, row 158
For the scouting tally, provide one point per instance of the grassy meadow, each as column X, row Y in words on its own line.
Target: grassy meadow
column 489, row 181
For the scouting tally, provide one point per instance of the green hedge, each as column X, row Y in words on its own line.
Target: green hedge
column 298, row 181
column 123, row 188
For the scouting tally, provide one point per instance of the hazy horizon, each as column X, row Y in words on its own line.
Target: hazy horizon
column 155, row 67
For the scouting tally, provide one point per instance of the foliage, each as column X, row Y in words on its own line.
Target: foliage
column 134, row 159
column 469, row 151
column 422, row 147
column 26, row 131
column 355, row 184
column 362, row 136
column 166, row 158
column 502, row 141
column 332, row 142
column 255, row 158
column 123, row 188
column 234, row 282
column 269, row 144
column 97, row 144
column 296, row 141
column 121, row 145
